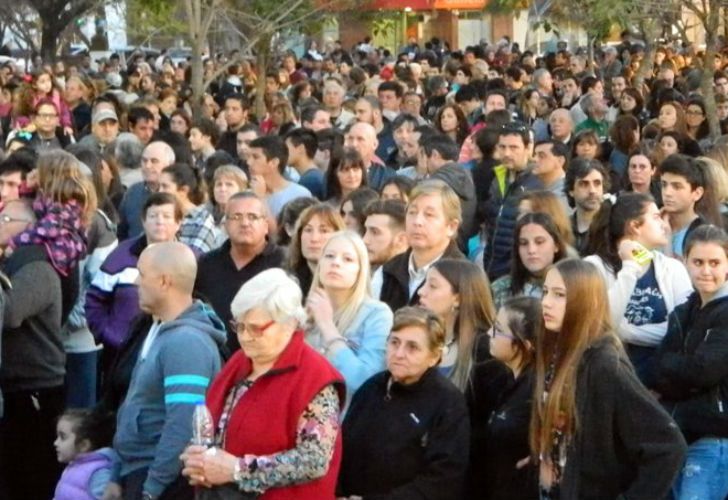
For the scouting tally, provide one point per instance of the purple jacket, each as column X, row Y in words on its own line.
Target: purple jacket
column 86, row 477
column 112, row 300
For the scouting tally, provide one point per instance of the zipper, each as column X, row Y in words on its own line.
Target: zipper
column 505, row 195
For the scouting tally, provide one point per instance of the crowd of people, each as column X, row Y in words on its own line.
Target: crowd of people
column 434, row 274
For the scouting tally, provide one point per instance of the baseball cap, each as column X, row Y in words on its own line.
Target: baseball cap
column 104, row 114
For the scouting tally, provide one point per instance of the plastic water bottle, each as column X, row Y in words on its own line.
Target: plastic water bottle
column 203, row 429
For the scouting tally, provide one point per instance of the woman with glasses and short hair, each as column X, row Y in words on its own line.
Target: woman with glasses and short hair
column 275, row 405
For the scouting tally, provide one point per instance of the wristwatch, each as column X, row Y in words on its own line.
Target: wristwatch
column 237, row 472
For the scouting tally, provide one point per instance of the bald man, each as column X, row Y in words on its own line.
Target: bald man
column 363, row 138
column 177, row 360
column 156, row 156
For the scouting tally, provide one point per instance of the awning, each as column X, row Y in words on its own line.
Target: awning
column 399, row 4
column 460, row 4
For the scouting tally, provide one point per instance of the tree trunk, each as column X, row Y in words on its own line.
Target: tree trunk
column 711, row 22
column 649, row 30
column 49, row 40
column 590, row 66
column 262, row 58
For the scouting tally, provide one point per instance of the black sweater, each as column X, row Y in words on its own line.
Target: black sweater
column 500, row 440
column 625, row 443
column 692, row 367
column 406, row 442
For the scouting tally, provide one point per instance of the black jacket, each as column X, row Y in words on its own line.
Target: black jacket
column 218, row 280
column 692, row 367
column 626, row 444
column 499, row 440
column 405, row 442
column 395, row 278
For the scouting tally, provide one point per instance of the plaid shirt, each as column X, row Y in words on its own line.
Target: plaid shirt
column 198, row 230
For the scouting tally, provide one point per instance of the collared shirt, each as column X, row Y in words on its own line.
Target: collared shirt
column 417, row 276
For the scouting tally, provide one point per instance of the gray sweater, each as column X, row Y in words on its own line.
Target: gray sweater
column 32, row 350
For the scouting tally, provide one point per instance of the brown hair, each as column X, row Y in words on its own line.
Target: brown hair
column 586, row 319
column 548, row 203
column 60, row 178
column 329, row 215
column 475, row 315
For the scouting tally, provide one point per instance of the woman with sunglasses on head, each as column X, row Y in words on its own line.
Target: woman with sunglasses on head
column 595, row 432
column 692, row 368
column 347, row 325
column 275, row 405
column 500, row 406
column 406, row 432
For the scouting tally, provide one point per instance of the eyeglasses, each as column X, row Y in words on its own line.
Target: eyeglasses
column 6, row 219
column 495, row 331
column 252, row 218
column 46, row 116
column 254, row 330
column 694, row 112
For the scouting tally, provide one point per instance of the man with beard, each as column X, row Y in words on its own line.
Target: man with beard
column 384, row 236
column 585, row 185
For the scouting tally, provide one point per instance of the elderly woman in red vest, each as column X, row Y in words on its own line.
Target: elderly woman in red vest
column 275, row 405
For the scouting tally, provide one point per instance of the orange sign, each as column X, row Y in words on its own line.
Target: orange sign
column 460, row 4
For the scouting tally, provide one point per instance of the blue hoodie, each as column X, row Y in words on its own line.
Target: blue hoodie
column 154, row 424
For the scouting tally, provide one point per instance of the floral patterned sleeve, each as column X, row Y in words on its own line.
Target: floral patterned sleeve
column 309, row 460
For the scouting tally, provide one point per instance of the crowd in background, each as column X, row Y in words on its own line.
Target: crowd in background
column 411, row 274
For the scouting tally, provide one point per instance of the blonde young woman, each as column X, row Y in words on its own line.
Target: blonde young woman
column 346, row 324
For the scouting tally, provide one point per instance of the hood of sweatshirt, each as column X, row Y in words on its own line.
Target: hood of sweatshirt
column 202, row 318
column 458, row 178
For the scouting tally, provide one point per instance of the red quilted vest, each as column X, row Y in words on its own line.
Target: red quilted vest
column 266, row 418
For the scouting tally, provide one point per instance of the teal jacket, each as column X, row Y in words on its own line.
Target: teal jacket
column 154, row 423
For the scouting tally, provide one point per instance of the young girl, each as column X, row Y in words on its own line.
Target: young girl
column 347, row 325
column 641, row 294
column 692, row 368
column 537, row 245
column 42, row 86
column 499, row 438
column 596, row 432
column 458, row 292
column 82, row 441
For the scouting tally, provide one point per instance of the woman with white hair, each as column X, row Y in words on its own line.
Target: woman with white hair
column 275, row 404
column 348, row 326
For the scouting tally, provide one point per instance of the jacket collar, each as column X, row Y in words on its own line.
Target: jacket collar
column 288, row 360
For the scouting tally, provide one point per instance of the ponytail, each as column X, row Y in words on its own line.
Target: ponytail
column 609, row 225
column 184, row 175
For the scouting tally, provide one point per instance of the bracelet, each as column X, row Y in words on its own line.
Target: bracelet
column 331, row 342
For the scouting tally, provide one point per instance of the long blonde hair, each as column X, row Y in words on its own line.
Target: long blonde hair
column 360, row 292
column 586, row 320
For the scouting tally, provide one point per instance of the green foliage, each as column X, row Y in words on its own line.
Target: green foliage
column 146, row 18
